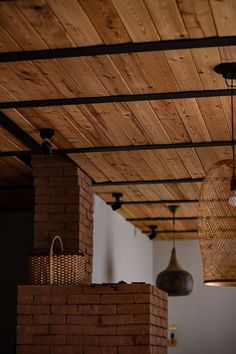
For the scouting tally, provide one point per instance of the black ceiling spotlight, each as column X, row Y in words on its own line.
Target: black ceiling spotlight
column 117, row 203
column 46, row 145
column 153, row 233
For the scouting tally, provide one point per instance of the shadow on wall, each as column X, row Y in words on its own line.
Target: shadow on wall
column 16, row 244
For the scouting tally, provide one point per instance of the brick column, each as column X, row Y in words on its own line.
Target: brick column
column 97, row 319
column 63, row 206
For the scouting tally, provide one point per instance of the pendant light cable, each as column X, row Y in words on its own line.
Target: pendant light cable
column 174, row 229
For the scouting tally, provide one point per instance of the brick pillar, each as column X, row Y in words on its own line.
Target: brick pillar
column 63, row 206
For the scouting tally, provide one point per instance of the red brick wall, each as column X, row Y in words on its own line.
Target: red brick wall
column 63, row 206
column 95, row 319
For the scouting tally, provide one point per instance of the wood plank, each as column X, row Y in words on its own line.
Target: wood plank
column 136, row 19
column 224, row 13
column 43, row 20
column 197, row 17
column 184, row 70
column 25, row 35
column 106, row 20
column 75, row 21
column 167, row 19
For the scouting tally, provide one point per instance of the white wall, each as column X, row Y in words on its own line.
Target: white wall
column 121, row 252
column 205, row 319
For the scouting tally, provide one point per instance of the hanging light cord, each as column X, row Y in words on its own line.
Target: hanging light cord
column 174, row 229
column 231, row 86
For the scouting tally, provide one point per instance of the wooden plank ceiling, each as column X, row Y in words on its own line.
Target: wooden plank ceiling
column 38, row 24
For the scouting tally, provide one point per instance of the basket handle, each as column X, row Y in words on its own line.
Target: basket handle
column 57, row 237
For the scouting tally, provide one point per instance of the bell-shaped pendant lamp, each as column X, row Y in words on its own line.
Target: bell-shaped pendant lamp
column 217, row 209
column 174, row 280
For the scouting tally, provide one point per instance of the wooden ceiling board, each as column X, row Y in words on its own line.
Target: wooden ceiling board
column 41, row 24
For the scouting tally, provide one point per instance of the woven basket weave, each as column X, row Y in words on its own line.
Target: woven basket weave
column 217, row 226
column 53, row 269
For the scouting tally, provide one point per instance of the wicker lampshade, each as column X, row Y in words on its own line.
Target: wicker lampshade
column 217, row 225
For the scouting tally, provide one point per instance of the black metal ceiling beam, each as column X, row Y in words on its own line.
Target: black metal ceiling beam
column 116, row 98
column 163, row 201
column 163, row 218
column 101, row 149
column 140, row 182
column 20, row 134
column 171, row 231
column 120, row 48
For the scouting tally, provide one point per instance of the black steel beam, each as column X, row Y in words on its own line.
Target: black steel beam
column 116, row 98
column 171, row 231
column 163, row 218
column 140, row 182
column 120, row 48
column 21, row 135
column 101, row 149
column 163, row 201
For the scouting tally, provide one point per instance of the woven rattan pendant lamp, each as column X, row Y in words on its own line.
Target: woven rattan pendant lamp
column 174, row 280
column 217, row 209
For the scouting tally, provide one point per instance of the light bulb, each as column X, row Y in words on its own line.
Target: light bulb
column 232, row 198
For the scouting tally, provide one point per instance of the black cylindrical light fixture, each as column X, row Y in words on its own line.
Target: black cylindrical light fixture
column 174, row 280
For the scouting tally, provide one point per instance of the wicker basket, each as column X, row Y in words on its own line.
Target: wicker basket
column 53, row 269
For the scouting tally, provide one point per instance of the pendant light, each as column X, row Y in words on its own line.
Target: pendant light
column 217, row 209
column 174, row 280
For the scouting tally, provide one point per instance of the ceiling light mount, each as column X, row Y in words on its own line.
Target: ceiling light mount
column 153, row 233
column 118, row 203
column 46, row 145
column 227, row 70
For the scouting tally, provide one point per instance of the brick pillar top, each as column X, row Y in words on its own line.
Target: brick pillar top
column 63, row 206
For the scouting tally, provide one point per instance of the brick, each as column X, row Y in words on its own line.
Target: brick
column 99, row 309
column 66, row 349
column 50, row 299
column 32, row 349
column 117, row 319
column 24, row 339
column 24, row 319
column 49, row 208
column 136, row 349
column 50, row 339
column 142, row 319
column 143, row 339
column 63, row 181
column 41, row 181
column 33, row 309
column 47, row 171
column 133, row 309
column 42, row 199
column 66, row 309
column 58, row 161
column 41, row 217
column 66, row 289
column 133, row 329
column 33, row 289
column 27, row 329
column 83, row 299
column 117, row 299
column 24, row 299
column 83, row 320
column 65, row 329
column 100, row 350
column 117, row 340
column 38, row 161
column 142, row 298
column 135, row 288
column 83, row 340
column 99, row 331
column 49, row 319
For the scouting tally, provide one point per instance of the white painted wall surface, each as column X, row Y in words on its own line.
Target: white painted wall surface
column 121, row 252
column 205, row 319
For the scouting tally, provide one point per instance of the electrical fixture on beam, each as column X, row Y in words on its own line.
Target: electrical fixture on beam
column 217, row 208
column 117, row 203
column 153, row 233
column 46, row 145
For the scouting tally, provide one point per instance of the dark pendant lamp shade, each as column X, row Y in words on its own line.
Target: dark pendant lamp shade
column 174, row 280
